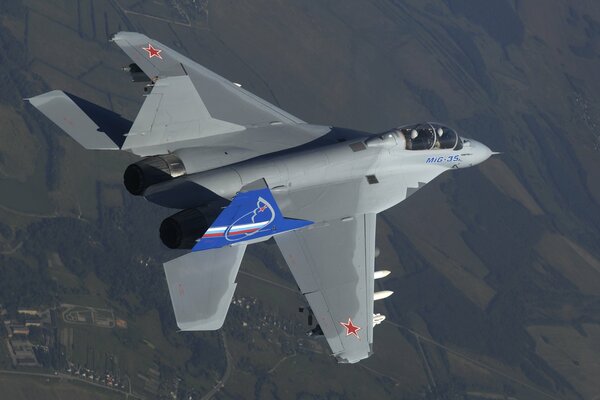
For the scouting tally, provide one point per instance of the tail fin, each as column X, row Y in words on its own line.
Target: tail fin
column 252, row 214
column 90, row 125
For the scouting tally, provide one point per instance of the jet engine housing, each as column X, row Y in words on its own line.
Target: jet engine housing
column 182, row 230
column 149, row 171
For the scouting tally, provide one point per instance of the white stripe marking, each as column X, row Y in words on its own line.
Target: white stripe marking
column 237, row 227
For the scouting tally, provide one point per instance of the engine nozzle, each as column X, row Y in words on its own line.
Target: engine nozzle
column 181, row 230
column 149, row 171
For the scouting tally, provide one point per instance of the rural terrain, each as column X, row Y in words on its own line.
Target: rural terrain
column 495, row 269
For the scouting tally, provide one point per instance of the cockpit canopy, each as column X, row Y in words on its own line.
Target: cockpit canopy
column 429, row 136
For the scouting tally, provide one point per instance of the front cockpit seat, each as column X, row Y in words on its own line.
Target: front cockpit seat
column 427, row 136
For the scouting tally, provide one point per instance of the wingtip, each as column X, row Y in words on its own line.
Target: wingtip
column 127, row 35
column 114, row 36
column 118, row 35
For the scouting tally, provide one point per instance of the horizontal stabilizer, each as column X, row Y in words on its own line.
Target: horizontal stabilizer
column 201, row 285
column 252, row 214
column 92, row 126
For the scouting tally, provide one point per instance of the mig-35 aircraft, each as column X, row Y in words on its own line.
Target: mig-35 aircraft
column 241, row 171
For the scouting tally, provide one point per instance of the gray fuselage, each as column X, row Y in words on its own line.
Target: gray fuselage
column 381, row 163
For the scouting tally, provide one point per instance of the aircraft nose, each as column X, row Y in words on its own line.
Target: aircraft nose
column 480, row 152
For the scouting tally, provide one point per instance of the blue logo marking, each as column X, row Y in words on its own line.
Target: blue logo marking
column 250, row 215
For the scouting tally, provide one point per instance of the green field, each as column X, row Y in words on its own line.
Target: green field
column 22, row 387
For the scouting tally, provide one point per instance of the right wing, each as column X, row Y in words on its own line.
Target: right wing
column 333, row 266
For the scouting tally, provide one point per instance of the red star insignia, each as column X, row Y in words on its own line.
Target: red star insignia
column 152, row 52
column 351, row 329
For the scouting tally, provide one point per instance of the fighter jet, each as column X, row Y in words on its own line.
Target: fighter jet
column 242, row 171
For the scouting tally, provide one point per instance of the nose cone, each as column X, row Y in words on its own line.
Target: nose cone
column 479, row 152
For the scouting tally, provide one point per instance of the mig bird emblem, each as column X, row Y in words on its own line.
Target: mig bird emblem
column 247, row 225
column 251, row 222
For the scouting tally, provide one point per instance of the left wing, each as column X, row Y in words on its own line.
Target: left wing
column 223, row 99
column 189, row 106
column 333, row 265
